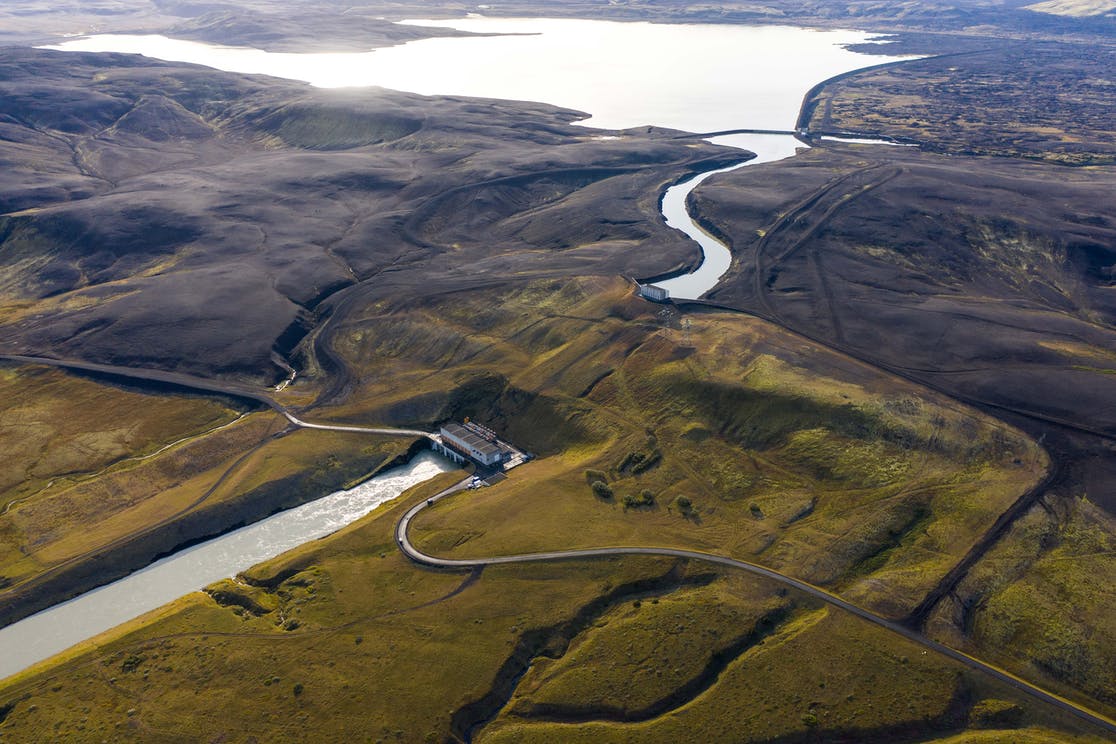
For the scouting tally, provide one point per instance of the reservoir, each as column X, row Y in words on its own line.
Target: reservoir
column 692, row 77
column 46, row 633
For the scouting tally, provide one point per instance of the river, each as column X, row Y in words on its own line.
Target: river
column 692, row 77
column 716, row 255
column 46, row 633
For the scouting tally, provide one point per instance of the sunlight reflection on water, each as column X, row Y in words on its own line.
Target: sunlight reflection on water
column 697, row 77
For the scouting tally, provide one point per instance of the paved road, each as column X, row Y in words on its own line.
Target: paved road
column 203, row 384
column 402, row 538
column 402, row 528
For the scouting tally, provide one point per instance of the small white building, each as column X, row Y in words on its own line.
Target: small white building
column 654, row 293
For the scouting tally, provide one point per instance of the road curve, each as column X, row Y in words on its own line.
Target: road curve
column 408, row 548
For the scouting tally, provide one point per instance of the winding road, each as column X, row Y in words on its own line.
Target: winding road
column 403, row 540
column 412, row 552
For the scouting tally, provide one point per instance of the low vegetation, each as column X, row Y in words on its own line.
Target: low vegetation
column 56, row 426
column 334, row 634
column 112, row 469
column 804, row 672
column 1015, row 314
column 601, row 489
column 1039, row 602
column 65, row 438
column 645, row 499
column 854, row 481
column 1046, row 102
column 734, row 437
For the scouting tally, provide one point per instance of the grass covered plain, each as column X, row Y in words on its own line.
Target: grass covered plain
column 1041, row 601
column 57, row 425
column 730, row 435
column 718, row 433
column 60, row 433
column 343, row 638
column 103, row 466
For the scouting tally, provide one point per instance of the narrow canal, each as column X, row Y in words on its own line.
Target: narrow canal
column 716, row 255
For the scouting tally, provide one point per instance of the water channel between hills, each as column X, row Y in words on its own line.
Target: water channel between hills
column 716, row 256
column 696, row 78
column 51, row 631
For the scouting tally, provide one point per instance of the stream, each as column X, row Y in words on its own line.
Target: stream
column 716, row 255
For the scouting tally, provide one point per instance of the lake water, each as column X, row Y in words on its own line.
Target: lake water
column 694, row 77
column 42, row 635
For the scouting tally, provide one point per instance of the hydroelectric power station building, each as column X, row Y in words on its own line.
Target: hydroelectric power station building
column 474, row 442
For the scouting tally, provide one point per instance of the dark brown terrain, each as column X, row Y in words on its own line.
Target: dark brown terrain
column 174, row 217
column 1046, row 101
column 181, row 220
column 987, row 278
column 991, row 278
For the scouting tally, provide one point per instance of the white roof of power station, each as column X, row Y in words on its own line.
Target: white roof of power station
column 471, row 440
